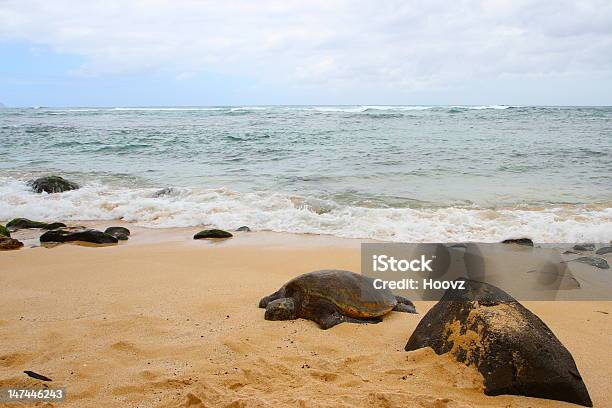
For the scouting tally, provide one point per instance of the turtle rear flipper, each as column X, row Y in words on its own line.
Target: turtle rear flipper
column 404, row 305
column 327, row 321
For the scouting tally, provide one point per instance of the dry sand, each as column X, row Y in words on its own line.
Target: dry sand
column 164, row 321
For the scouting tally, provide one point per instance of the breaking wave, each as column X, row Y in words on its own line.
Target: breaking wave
column 223, row 208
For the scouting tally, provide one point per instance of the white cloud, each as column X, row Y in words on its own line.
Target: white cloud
column 404, row 45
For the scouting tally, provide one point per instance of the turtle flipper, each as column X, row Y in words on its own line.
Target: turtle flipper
column 263, row 303
column 404, row 305
column 328, row 321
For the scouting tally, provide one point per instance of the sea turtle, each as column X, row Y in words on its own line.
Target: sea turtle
column 330, row 297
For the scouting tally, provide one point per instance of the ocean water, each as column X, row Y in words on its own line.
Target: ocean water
column 396, row 173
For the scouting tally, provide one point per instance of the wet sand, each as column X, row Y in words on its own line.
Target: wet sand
column 165, row 321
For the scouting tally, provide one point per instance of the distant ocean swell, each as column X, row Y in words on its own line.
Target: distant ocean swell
column 182, row 207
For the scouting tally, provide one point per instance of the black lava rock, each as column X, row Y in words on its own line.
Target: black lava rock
column 593, row 261
column 24, row 223
column 121, row 233
column 519, row 241
column 513, row 349
column 78, row 234
column 244, row 228
column 212, row 233
column 54, row 225
column 7, row 243
column 603, row 250
column 52, row 184
column 584, row 247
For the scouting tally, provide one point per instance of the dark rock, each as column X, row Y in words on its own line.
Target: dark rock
column 593, row 261
column 121, row 233
column 603, row 250
column 515, row 351
column 78, row 234
column 584, row 247
column 54, row 225
column 4, row 232
column 244, row 228
column 7, row 243
column 212, row 233
column 52, row 184
column 518, row 241
column 41, row 377
column 24, row 223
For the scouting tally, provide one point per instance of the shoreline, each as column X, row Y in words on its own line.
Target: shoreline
column 170, row 322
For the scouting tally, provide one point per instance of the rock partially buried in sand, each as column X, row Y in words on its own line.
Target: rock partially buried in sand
column 244, row 228
column 121, row 233
column 4, row 232
column 593, row 261
column 584, row 247
column 52, row 184
column 212, row 233
column 24, row 223
column 7, row 243
column 513, row 349
column 331, row 297
column 518, row 241
column 604, row 250
column 78, row 234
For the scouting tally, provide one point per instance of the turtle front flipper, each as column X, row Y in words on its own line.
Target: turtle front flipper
column 263, row 303
column 404, row 305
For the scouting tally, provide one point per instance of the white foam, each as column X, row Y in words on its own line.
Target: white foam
column 223, row 208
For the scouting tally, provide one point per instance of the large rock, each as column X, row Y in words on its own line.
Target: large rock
column 4, row 232
column 513, row 349
column 212, row 233
column 24, row 223
column 52, row 184
column 78, row 234
column 121, row 233
column 7, row 243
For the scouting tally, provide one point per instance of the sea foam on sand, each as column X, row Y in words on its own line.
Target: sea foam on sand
column 223, row 208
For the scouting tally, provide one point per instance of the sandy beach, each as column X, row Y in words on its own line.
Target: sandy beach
column 165, row 321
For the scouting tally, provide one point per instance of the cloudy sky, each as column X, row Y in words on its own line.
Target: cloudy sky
column 170, row 52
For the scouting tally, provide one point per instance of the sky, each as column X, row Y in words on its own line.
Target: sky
column 172, row 52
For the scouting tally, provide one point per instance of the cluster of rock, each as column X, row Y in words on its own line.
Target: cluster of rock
column 58, row 232
column 595, row 261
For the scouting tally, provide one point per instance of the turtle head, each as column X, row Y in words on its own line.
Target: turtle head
column 281, row 309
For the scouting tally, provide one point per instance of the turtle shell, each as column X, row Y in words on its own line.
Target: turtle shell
column 352, row 294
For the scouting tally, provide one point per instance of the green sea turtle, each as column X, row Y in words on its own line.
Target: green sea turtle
column 331, row 297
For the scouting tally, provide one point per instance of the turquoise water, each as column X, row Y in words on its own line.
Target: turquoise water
column 324, row 159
